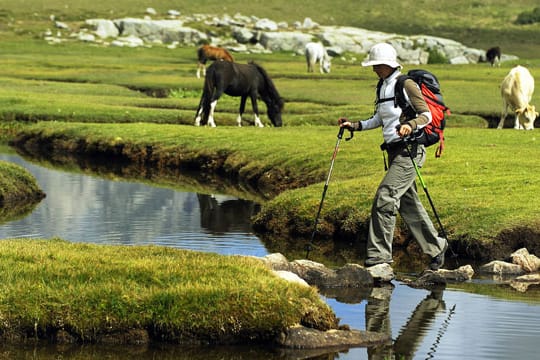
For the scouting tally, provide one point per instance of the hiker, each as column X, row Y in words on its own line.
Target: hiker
column 397, row 191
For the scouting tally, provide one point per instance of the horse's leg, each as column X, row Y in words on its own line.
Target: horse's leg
column 241, row 110
column 211, row 121
column 199, row 112
column 198, row 117
column 258, row 121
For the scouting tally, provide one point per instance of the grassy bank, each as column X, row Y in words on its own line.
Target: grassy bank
column 91, row 292
column 19, row 191
column 483, row 192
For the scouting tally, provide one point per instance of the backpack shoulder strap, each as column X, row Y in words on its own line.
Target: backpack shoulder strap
column 378, row 91
column 398, row 91
column 399, row 97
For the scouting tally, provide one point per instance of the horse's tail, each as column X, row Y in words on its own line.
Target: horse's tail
column 273, row 94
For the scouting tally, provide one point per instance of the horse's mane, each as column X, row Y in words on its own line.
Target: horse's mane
column 272, row 91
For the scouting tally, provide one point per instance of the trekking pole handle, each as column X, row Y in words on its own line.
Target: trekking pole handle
column 408, row 139
column 340, row 133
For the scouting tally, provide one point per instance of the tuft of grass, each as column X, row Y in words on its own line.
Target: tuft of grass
column 17, row 185
column 91, row 290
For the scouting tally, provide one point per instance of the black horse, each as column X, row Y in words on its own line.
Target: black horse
column 244, row 80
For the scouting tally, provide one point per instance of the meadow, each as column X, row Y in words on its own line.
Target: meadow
column 484, row 185
column 75, row 83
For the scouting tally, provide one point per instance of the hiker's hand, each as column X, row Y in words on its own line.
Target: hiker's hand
column 345, row 123
column 404, row 130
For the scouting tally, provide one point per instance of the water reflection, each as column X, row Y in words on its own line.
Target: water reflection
column 82, row 208
column 412, row 333
column 422, row 324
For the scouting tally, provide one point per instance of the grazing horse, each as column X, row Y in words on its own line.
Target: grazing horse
column 208, row 52
column 315, row 52
column 493, row 56
column 244, row 80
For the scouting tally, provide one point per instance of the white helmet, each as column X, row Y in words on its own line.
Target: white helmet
column 382, row 53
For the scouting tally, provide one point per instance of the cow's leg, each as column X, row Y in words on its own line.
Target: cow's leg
column 517, row 123
column 211, row 121
column 255, row 107
column 503, row 116
column 321, row 65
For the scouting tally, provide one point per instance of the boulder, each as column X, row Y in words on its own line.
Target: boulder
column 528, row 262
column 300, row 337
column 285, row 40
column 501, row 268
column 317, row 274
column 103, row 28
column 381, row 273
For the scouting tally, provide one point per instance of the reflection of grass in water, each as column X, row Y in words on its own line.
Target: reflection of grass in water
column 500, row 291
column 16, row 211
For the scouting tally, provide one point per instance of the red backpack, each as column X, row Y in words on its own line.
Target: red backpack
column 432, row 133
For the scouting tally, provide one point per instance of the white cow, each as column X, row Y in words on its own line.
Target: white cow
column 516, row 90
column 315, row 52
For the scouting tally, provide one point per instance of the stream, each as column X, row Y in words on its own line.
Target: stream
column 456, row 323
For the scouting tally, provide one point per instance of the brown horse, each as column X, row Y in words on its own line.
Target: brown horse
column 209, row 52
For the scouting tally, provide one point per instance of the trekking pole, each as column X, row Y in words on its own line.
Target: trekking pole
column 424, row 186
column 339, row 136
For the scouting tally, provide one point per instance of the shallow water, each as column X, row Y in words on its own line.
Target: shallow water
column 442, row 325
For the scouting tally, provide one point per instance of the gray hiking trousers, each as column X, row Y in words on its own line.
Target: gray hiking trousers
column 397, row 194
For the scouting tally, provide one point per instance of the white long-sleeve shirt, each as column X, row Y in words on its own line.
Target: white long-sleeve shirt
column 387, row 114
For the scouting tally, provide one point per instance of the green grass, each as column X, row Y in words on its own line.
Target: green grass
column 17, row 185
column 109, row 97
column 84, row 289
column 480, row 186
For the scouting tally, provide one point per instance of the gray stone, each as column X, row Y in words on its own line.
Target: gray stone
column 501, row 268
column 463, row 273
column 381, row 272
column 300, row 337
column 284, row 41
column 528, row 262
column 103, row 28
column 291, row 277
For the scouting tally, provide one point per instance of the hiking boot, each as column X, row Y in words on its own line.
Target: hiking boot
column 438, row 261
column 376, row 261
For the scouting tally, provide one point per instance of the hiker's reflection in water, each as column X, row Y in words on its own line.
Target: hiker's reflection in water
column 411, row 334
